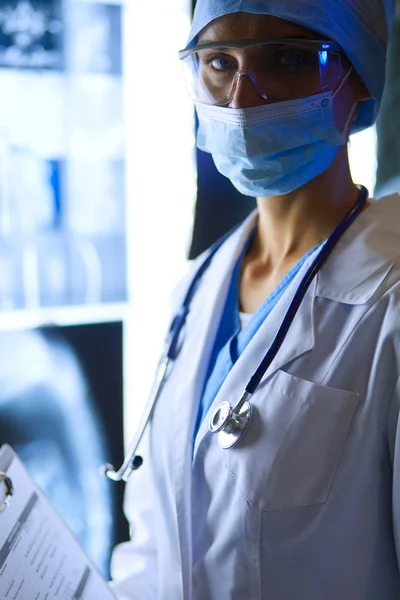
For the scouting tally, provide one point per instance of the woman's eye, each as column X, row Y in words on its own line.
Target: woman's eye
column 221, row 62
column 295, row 58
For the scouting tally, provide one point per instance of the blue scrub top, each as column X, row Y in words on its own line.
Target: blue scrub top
column 231, row 340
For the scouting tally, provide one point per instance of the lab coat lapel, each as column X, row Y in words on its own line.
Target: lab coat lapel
column 187, row 378
column 201, row 329
column 300, row 339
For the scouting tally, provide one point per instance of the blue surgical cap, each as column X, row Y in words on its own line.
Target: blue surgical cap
column 361, row 27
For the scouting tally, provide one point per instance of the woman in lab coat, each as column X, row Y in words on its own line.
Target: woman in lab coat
column 307, row 505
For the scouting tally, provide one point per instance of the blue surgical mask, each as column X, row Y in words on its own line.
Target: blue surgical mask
column 272, row 149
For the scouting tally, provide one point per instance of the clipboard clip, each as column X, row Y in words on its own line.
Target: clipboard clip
column 9, row 490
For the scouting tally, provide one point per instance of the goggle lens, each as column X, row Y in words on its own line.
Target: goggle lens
column 283, row 71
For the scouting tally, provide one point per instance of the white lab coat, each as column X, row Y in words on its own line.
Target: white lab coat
column 306, row 507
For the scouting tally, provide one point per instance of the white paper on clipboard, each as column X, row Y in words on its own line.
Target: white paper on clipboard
column 40, row 559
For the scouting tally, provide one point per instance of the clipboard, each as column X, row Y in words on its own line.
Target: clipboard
column 40, row 559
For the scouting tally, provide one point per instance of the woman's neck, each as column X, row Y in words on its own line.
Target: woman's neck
column 290, row 225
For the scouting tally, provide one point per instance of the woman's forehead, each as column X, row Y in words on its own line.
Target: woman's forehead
column 242, row 25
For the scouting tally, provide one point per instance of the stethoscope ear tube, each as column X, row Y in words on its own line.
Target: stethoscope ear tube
column 133, row 461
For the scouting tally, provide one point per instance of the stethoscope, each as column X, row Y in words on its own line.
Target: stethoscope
column 229, row 422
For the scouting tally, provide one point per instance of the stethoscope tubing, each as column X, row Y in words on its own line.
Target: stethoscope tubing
column 133, row 461
column 316, row 266
column 173, row 345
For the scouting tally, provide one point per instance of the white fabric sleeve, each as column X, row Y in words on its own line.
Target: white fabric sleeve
column 134, row 563
column 394, row 443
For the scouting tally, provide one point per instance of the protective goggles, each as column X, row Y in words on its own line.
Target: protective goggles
column 281, row 69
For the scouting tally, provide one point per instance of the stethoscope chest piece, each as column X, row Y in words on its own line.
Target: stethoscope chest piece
column 230, row 424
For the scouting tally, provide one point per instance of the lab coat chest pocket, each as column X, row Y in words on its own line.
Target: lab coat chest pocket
column 291, row 451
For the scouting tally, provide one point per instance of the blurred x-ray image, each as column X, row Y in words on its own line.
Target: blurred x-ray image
column 31, row 34
column 33, row 188
column 52, row 419
column 93, row 37
column 94, row 189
